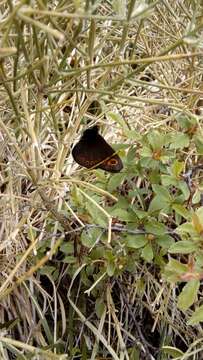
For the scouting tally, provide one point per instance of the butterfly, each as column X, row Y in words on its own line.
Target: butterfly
column 92, row 151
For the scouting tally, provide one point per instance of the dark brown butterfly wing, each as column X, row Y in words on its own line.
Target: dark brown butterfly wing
column 92, row 151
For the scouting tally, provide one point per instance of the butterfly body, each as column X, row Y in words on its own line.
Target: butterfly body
column 92, row 151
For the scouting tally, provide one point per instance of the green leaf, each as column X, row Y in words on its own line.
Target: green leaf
column 47, row 270
column 158, row 203
column 111, row 267
column 154, row 177
column 100, row 307
column 77, row 197
column 131, row 155
column 96, row 214
column 132, row 134
column 69, row 260
column 146, row 152
column 199, row 213
column 122, row 214
column 199, row 144
column 197, row 223
column 162, row 192
column 156, row 139
column 186, row 121
column 135, row 241
column 180, row 141
column 147, row 253
column 185, row 228
column 118, row 119
column 90, row 236
column 176, row 267
column 165, row 241
column 184, row 188
column 67, row 248
column 98, row 252
column 149, row 163
column 199, row 260
column 156, row 228
column 196, row 197
column 141, row 214
column 172, row 351
column 122, row 203
column 168, row 180
column 176, row 168
column 197, row 316
column 188, row 295
column 115, row 181
column 134, row 353
column 173, row 270
column 181, row 210
column 183, row 247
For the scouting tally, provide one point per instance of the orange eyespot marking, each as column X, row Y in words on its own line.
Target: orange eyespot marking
column 112, row 162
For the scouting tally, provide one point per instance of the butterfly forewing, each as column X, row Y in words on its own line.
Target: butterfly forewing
column 92, row 151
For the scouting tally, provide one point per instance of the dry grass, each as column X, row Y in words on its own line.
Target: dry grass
column 143, row 69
